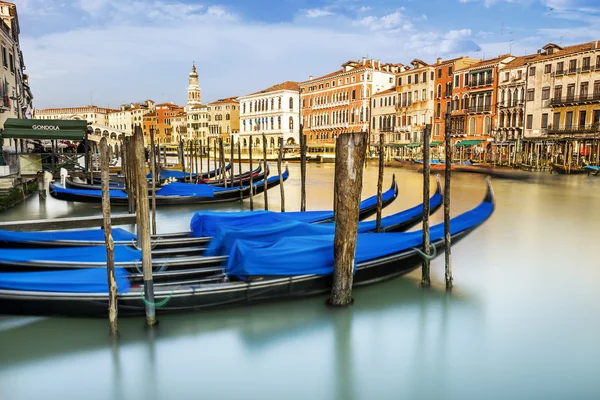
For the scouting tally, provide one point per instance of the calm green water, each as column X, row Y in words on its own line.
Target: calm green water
column 523, row 321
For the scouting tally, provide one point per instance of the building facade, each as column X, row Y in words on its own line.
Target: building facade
column 563, row 91
column 415, row 87
column 383, row 118
column 223, row 119
column 340, row 101
column 15, row 95
column 444, row 90
column 274, row 112
column 164, row 117
column 512, row 82
column 130, row 115
column 474, row 104
column 92, row 114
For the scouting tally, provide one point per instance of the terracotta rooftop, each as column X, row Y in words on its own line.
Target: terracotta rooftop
column 451, row 61
column 486, row 63
column 355, row 66
column 388, row 91
column 567, row 50
column 520, row 61
column 226, row 100
column 287, row 85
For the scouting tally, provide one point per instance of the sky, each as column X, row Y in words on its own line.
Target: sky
column 111, row 52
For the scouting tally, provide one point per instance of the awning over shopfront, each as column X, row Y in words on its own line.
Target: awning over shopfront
column 468, row 143
column 433, row 144
column 413, row 145
column 44, row 129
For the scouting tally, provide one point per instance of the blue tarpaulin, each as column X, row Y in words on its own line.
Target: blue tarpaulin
column 83, row 235
column 300, row 255
column 114, row 193
column 69, row 254
column 92, row 280
column 225, row 236
column 178, row 174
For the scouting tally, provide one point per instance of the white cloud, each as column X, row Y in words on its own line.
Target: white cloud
column 317, row 12
column 132, row 50
column 364, row 9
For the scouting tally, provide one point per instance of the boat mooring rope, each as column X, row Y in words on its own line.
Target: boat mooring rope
column 160, row 303
column 425, row 256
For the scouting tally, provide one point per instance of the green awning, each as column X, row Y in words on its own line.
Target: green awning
column 433, row 144
column 44, row 129
column 468, row 143
column 413, row 145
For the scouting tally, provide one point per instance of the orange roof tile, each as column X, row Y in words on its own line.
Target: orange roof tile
column 232, row 99
column 287, row 85
column 388, row 91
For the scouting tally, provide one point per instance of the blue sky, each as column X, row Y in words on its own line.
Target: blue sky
column 109, row 52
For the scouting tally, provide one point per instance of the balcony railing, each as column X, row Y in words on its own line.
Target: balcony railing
column 574, row 129
column 569, row 100
column 479, row 109
column 406, row 105
column 332, row 104
column 330, row 126
column 478, row 83
column 514, row 103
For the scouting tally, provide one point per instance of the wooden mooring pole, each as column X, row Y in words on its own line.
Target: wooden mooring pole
column 302, row 170
column 425, row 269
column 153, row 170
column 380, row 183
column 279, row 161
column 143, row 221
column 447, row 236
column 250, row 145
column 110, row 246
column 239, row 154
column 215, row 155
column 264, row 143
column 130, row 179
column 222, row 161
column 349, row 166
column 231, row 171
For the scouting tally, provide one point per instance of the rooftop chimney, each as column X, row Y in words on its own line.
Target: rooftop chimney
column 378, row 64
column 364, row 61
column 439, row 60
column 310, row 77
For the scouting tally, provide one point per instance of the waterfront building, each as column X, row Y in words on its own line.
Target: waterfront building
column 473, row 104
column 130, row 115
column 179, row 126
column 444, row 87
column 274, row 112
column 511, row 99
column 563, row 91
column 196, row 112
column 149, row 123
column 223, row 119
column 340, row 101
column 92, row 114
column 15, row 95
column 383, row 118
column 164, row 115
column 415, row 87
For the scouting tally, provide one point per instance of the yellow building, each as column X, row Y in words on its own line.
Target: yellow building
column 223, row 118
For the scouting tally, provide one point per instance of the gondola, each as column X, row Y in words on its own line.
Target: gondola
column 126, row 256
column 95, row 237
column 466, row 167
column 170, row 174
column 592, row 170
column 257, row 176
column 175, row 193
column 254, row 273
column 573, row 170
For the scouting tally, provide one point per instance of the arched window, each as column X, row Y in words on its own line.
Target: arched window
column 272, row 101
column 501, row 120
column 227, row 117
column 353, row 96
column 439, row 90
column 291, row 122
column 472, row 126
column 244, row 108
column 291, row 103
column 272, row 123
column 487, row 125
column 380, row 122
column 279, row 122
column 279, row 103
column 438, row 111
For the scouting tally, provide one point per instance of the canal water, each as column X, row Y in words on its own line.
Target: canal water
column 523, row 321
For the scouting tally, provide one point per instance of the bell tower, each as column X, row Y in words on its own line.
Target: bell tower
column 194, row 91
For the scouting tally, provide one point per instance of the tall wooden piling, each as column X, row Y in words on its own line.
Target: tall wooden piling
column 380, row 182
column 154, row 177
column 425, row 269
column 250, row 145
column 215, row 155
column 447, row 236
column 302, row 169
column 264, row 142
column 182, row 157
column 222, row 160
column 110, row 246
column 349, row 166
column 279, row 168
column 130, row 175
column 239, row 154
column 143, row 221
column 231, row 171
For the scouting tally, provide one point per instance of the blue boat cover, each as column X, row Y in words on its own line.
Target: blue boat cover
column 83, row 235
column 189, row 189
column 207, row 223
column 114, row 193
column 225, row 236
column 300, row 255
column 178, row 174
column 593, row 167
column 92, row 280
column 82, row 254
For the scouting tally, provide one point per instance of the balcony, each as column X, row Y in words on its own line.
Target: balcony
column 338, row 125
column 573, row 100
column 479, row 109
column 559, row 72
column 480, row 83
column 330, row 105
column 573, row 129
column 401, row 106
column 512, row 104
